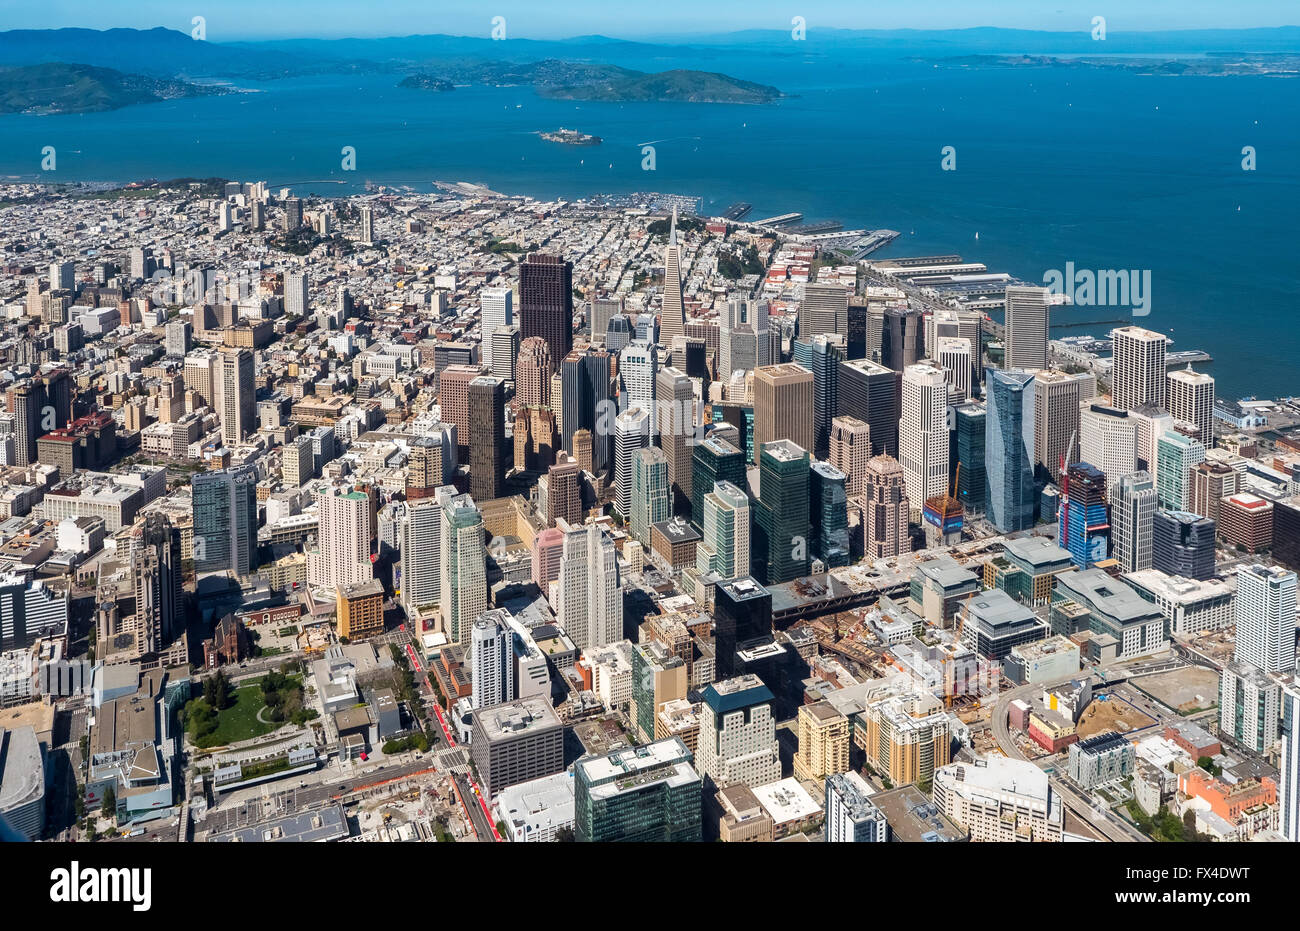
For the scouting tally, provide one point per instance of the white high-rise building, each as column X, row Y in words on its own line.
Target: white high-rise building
column 590, row 609
column 296, row 300
column 638, row 366
column 1288, row 784
column 631, row 435
column 737, row 740
column 497, row 310
column 1265, row 609
column 421, row 547
column 850, row 815
column 953, row 356
column 672, row 322
column 1191, row 400
column 342, row 555
column 492, row 660
column 1132, row 514
column 1150, row 423
column 367, row 225
column 743, row 343
column 1027, row 326
column 505, row 349
column 923, row 433
column 1138, row 372
column 63, row 276
column 1108, row 440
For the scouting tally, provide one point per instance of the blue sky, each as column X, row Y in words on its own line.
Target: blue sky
column 242, row 19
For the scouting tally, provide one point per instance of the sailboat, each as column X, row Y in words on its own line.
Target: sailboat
column 977, row 235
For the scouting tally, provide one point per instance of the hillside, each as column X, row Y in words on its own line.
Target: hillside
column 69, row 88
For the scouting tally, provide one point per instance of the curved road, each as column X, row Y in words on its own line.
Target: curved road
column 1112, row 826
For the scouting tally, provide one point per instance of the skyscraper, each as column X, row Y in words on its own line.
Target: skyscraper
column 822, row 355
column 1057, row 397
column 1266, row 613
column 505, row 352
column 724, row 545
column 296, row 300
column 738, row 733
column 968, row 452
column 463, row 557
column 923, row 432
column 367, row 225
column 421, row 546
column 1176, row 456
column 590, row 609
column 1108, row 439
column 1182, row 544
column 453, row 403
column 225, row 520
column 1288, row 785
column 631, row 435
column 953, row 356
column 487, row 437
column 885, row 509
column 492, row 660
column 638, row 369
column 1083, row 517
column 673, row 314
column 587, row 404
column 1138, row 373
column 743, row 344
column 829, row 514
column 1191, row 400
column 1133, row 511
column 850, row 450
column 713, row 460
column 533, row 373
column 902, row 338
column 824, row 310
column 651, row 493
column 1149, row 424
column 546, row 303
column 602, row 310
column 1007, row 437
column 237, row 394
column 564, row 492
column 342, row 555
column 155, row 563
column 675, row 419
column 783, row 400
column 783, row 522
column 1027, row 325
column 497, row 309
column 869, row 392
column 742, row 612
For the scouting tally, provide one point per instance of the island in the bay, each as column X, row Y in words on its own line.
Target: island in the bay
column 570, row 137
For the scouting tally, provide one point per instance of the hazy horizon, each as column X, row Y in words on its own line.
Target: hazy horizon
column 668, row 20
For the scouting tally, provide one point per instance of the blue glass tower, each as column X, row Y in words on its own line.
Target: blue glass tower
column 1008, row 440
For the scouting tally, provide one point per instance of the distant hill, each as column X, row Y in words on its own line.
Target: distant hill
column 69, row 88
column 680, row 85
column 570, row 80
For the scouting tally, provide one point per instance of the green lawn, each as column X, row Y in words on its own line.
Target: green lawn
column 239, row 721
